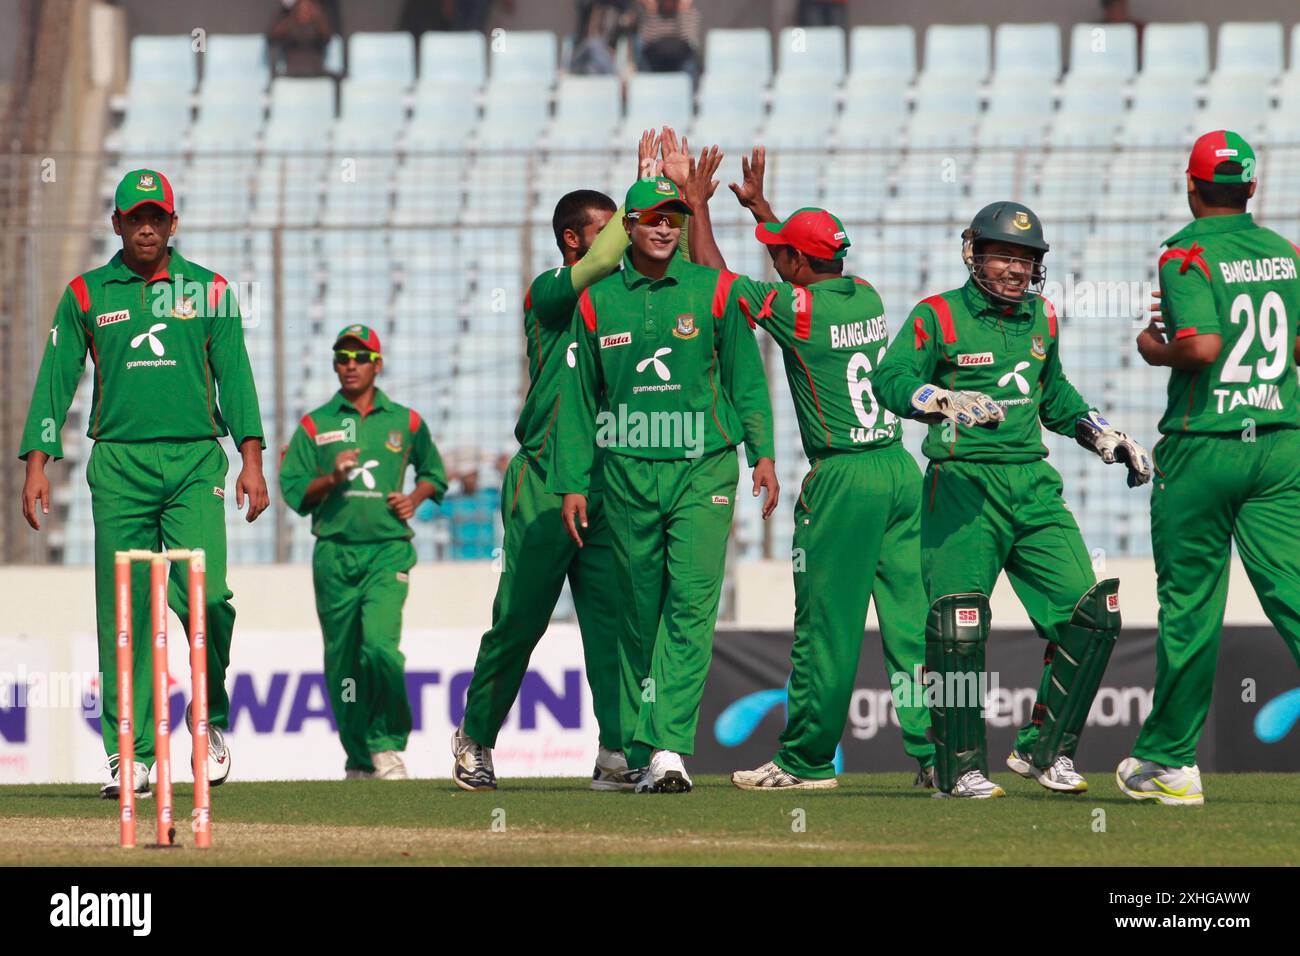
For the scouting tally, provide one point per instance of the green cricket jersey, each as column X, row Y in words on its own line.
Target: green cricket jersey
column 1228, row 276
column 832, row 335
column 164, row 351
column 962, row 341
column 667, row 369
column 390, row 437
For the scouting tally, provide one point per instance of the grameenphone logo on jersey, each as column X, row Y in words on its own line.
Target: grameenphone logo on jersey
column 151, row 341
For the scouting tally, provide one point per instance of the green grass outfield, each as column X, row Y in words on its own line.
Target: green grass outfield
column 1249, row 819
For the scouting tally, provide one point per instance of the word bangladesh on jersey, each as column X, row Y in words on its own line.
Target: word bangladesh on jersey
column 179, row 298
column 620, row 428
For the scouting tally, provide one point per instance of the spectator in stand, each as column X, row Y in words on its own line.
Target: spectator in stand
column 601, row 23
column 1117, row 11
column 298, row 38
column 823, row 13
column 668, row 37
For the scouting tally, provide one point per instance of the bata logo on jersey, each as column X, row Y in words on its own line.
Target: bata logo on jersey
column 219, row 492
column 155, row 346
column 974, row 358
column 968, row 617
column 1112, row 603
column 1258, row 270
column 328, row 438
column 851, row 335
column 610, row 341
column 110, row 318
column 403, row 577
column 721, row 500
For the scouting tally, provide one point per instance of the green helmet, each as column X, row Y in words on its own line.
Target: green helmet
column 1008, row 222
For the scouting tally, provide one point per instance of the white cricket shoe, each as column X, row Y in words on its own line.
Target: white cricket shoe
column 218, row 751
column 771, row 777
column 389, row 765
column 356, row 773
column 109, row 791
column 473, row 767
column 667, row 774
column 1172, row 786
column 973, row 785
column 1060, row 776
column 613, row 773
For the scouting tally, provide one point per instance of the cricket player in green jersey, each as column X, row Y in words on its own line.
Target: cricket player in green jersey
column 1228, row 460
column 539, row 555
column 167, row 341
column 987, row 355
column 858, row 514
column 346, row 467
column 668, row 381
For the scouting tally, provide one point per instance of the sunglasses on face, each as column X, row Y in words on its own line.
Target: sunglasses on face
column 343, row 356
column 651, row 220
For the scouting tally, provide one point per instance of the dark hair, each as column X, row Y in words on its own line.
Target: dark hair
column 825, row 266
column 1226, row 195
column 574, row 209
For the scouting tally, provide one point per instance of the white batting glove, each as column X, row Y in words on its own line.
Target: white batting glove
column 932, row 404
column 1096, row 434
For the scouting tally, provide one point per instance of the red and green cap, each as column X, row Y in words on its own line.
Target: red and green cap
column 363, row 334
column 812, row 231
column 140, row 186
column 654, row 194
column 1221, row 146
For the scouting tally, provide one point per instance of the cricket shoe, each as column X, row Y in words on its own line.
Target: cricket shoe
column 473, row 767
column 109, row 791
column 667, row 774
column 973, row 785
column 356, row 773
column 1172, row 786
column 1060, row 776
column 771, row 777
column 389, row 765
column 925, row 779
column 218, row 751
column 613, row 773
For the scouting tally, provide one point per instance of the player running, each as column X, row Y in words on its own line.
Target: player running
column 539, row 555
column 857, row 518
column 163, row 332
column 987, row 355
column 667, row 359
column 1228, row 460
column 346, row 467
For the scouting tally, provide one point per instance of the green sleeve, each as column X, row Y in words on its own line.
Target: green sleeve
column 603, row 257
column 56, row 382
column 236, row 392
column 909, row 363
column 428, row 463
column 1061, row 404
column 1187, row 301
column 298, row 470
column 575, row 425
column 745, row 382
column 766, row 304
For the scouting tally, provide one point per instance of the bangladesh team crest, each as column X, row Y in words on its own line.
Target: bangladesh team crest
column 686, row 328
column 1038, row 349
column 1021, row 221
column 185, row 308
column 394, row 442
column 147, row 182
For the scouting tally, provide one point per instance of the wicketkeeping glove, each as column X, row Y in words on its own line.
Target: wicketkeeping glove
column 1096, row 434
column 931, row 404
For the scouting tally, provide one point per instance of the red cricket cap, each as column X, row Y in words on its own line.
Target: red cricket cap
column 812, row 231
column 1221, row 146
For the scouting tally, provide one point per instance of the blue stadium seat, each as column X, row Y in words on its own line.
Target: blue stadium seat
column 586, row 109
column 655, row 100
column 1177, row 49
column 946, row 94
column 730, row 112
column 1237, row 93
column 1006, row 131
column 857, row 187
column 513, row 116
column 803, row 109
column 1108, row 49
column 524, row 56
column 1251, row 49
column 804, row 51
column 744, row 53
column 874, row 113
column 1155, row 129
column 1015, row 98
column 334, row 56
column 443, row 118
column 1164, row 95
column 1033, row 49
column 163, row 62
column 887, row 53
column 957, row 50
column 153, row 124
column 457, row 59
column 370, row 103
column 1069, row 130
column 1084, row 99
column 382, row 58
column 236, row 61
column 301, row 102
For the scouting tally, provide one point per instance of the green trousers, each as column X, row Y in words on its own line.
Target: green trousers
column 1209, row 491
column 669, row 522
column 360, row 591
column 539, row 555
column 157, row 495
column 978, row 519
column 856, row 536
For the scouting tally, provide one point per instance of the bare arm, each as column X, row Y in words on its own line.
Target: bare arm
column 749, row 192
column 1190, row 353
column 700, row 185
